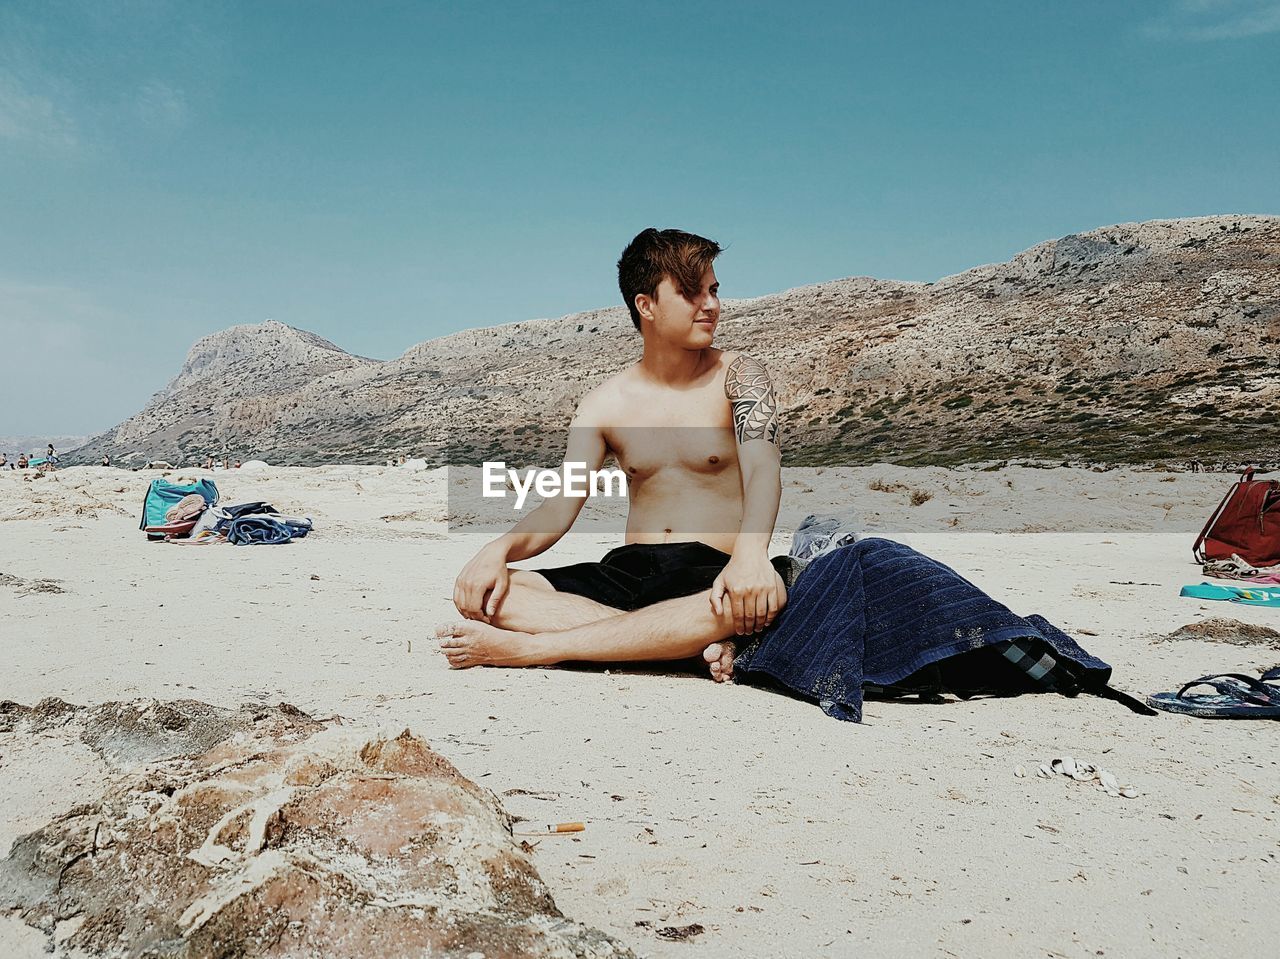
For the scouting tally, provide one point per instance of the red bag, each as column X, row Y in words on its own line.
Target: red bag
column 1246, row 524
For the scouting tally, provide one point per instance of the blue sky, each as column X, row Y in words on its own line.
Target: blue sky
column 382, row 173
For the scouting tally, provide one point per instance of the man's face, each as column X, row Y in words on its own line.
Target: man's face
column 688, row 323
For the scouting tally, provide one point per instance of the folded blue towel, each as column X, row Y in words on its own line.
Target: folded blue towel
column 258, row 529
column 876, row 611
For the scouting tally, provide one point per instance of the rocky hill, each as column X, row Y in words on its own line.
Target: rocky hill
column 235, row 385
column 1134, row 343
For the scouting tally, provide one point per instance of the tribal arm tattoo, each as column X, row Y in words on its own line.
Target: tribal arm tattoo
column 750, row 393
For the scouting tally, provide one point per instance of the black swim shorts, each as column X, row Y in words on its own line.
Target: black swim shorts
column 641, row 574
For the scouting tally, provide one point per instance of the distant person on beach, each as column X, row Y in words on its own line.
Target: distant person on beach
column 696, row 430
column 106, row 460
column 4, row 461
column 23, row 461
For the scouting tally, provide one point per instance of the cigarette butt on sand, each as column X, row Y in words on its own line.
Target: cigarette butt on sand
column 541, row 829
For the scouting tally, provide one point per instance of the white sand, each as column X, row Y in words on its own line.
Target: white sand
column 783, row 832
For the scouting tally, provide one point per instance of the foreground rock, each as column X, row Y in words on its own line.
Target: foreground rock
column 283, row 838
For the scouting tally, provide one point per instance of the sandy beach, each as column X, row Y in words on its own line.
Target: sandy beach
column 779, row 831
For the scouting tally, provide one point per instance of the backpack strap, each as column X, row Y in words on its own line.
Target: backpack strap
column 1107, row 691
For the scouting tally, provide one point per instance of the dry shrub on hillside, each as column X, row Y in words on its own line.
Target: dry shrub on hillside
column 882, row 486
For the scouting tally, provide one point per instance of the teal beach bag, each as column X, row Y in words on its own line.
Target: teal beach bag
column 162, row 494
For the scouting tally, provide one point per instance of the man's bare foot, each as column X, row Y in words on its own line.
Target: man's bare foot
column 719, row 657
column 473, row 643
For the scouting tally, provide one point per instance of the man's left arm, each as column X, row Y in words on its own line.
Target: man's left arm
column 755, row 592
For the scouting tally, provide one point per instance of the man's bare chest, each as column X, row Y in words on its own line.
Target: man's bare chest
column 681, row 431
column 673, row 446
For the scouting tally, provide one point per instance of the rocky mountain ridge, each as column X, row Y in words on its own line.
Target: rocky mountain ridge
column 1132, row 343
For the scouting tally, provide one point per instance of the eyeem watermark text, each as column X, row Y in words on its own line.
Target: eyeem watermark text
column 572, row 479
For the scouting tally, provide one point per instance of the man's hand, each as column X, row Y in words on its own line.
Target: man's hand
column 752, row 590
column 482, row 584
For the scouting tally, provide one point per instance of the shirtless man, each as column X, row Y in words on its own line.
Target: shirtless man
column 696, row 430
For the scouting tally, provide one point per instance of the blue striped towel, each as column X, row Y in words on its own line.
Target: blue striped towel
column 874, row 612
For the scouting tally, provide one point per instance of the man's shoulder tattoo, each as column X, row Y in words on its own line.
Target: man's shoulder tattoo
column 750, row 393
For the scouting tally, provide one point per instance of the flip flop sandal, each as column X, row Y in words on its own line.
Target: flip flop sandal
column 179, row 528
column 189, row 507
column 1259, row 691
column 1238, row 697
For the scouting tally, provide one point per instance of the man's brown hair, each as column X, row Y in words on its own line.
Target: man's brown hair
column 653, row 254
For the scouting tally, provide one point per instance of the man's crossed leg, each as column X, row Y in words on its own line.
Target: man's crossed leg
column 538, row 626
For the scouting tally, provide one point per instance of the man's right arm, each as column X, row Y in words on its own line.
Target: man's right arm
column 544, row 527
column 484, row 581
